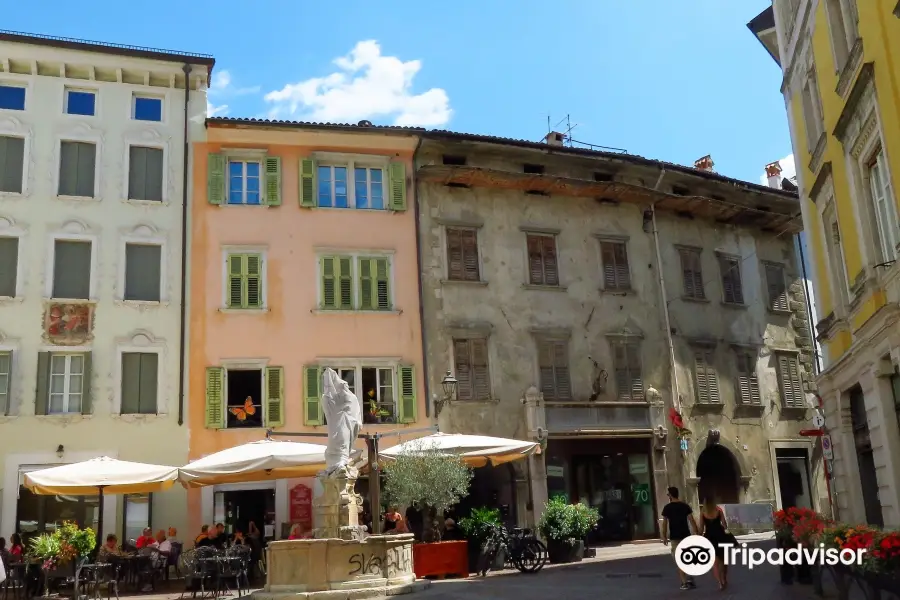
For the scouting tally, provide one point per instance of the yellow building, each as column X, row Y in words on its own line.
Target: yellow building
column 841, row 65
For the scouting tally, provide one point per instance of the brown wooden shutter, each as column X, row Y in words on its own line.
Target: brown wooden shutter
column 463, row 369
column 561, row 371
column 635, row 368
column 551, row 268
column 455, row 268
column 481, row 380
column 470, row 255
column 707, row 379
column 623, row 275
column 535, row 260
column 545, row 367
column 608, row 255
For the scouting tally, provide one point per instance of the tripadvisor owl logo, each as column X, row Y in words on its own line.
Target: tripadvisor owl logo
column 695, row 556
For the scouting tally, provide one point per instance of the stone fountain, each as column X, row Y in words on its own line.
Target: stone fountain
column 341, row 561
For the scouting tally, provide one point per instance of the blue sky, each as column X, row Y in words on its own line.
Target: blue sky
column 667, row 79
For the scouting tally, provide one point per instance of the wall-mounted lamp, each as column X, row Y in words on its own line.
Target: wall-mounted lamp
column 448, row 384
column 648, row 220
column 60, row 450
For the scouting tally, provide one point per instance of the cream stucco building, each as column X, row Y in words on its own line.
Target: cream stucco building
column 92, row 189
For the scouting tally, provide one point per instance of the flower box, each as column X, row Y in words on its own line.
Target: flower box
column 440, row 559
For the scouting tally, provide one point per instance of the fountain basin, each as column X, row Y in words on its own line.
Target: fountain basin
column 379, row 565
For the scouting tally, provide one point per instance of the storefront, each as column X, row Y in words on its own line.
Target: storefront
column 613, row 475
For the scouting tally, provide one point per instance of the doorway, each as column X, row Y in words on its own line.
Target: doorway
column 718, row 475
column 793, row 478
column 236, row 509
column 865, row 457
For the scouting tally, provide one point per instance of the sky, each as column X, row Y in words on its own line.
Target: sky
column 668, row 80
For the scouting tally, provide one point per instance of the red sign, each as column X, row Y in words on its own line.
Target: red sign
column 301, row 505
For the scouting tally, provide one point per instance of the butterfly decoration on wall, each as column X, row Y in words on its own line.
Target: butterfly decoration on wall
column 242, row 412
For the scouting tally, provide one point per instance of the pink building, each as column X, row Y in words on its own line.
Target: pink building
column 303, row 256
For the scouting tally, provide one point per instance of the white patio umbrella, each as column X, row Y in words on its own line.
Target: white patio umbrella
column 256, row 461
column 102, row 476
column 475, row 450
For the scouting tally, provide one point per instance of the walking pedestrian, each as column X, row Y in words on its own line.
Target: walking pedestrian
column 715, row 529
column 678, row 523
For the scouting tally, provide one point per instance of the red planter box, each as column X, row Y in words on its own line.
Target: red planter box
column 441, row 559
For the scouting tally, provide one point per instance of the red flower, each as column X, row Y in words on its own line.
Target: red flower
column 676, row 419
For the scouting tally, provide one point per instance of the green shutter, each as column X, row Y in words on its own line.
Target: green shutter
column 307, row 183
column 397, row 200
column 329, row 292
column 215, row 397
column 253, row 281
column 274, row 396
column 345, row 283
column 382, row 284
column 273, row 180
column 87, row 404
column 407, row 382
column 42, row 398
column 366, row 284
column 235, row 280
column 312, row 407
column 215, row 179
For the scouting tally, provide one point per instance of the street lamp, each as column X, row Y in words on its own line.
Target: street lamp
column 448, row 383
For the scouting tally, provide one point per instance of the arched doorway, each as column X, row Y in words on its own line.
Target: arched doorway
column 717, row 471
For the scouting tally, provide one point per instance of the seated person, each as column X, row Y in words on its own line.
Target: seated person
column 209, row 539
column 204, row 534
column 146, row 539
column 162, row 543
column 109, row 549
column 172, row 535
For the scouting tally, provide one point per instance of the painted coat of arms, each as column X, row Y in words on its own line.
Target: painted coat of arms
column 68, row 324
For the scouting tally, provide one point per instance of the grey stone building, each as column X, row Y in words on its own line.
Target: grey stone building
column 544, row 297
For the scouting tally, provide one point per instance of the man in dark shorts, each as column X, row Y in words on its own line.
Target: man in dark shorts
column 678, row 523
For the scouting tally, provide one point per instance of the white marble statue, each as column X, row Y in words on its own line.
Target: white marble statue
column 344, row 417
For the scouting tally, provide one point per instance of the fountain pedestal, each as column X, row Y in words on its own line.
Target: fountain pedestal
column 343, row 562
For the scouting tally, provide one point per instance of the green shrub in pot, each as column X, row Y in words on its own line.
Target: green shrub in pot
column 583, row 520
column 477, row 526
column 556, row 521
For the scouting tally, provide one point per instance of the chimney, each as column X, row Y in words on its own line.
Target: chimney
column 704, row 164
column 773, row 172
column 554, row 138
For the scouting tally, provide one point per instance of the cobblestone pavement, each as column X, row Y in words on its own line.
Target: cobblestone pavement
column 652, row 576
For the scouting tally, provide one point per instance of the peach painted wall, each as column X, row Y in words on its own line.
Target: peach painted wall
column 291, row 334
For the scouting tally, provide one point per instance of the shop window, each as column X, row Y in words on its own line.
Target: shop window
column 136, row 516
column 37, row 514
column 793, row 478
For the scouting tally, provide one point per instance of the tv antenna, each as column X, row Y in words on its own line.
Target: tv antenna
column 567, row 134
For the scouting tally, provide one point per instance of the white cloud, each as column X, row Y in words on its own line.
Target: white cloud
column 368, row 86
column 221, row 88
column 788, row 169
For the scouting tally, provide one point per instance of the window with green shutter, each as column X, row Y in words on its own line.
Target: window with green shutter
column 245, row 281
column 374, row 284
column 12, row 164
column 408, row 404
column 77, row 169
column 139, row 383
column 145, row 173
column 273, row 180
column 307, row 183
column 397, row 199
column 215, row 397
column 215, row 179
column 5, row 382
column 274, row 389
column 9, row 266
column 337, row 282
column 312, row 406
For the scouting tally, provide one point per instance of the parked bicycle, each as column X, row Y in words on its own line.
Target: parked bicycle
column 522, row 549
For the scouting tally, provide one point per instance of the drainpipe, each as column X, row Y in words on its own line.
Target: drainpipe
column 676, row 398
column 182, row 349
column 426, row 375
column 812, row 326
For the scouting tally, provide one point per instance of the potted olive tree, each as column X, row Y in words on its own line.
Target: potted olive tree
column 565, row 526
column 430, row 481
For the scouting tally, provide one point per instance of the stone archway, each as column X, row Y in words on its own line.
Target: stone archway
column 719, row 474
